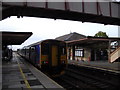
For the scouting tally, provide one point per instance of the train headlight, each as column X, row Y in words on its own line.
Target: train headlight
column 44, row 62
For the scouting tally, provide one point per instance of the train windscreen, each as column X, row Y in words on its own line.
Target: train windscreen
column 45, row 49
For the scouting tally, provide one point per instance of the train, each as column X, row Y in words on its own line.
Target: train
column 49, row 56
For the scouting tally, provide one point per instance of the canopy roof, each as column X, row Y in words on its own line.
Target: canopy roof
column 91, row 41
column 14, row 38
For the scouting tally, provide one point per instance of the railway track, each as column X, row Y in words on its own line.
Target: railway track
column 65, row 82
column 78, row 77
column 87, row 78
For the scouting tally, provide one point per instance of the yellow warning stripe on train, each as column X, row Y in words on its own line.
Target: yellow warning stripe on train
column 25, row 80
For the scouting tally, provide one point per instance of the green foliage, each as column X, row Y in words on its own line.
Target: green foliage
column 101, row 34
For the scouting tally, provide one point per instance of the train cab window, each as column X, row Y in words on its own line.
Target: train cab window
column 45, row 49
column 63, row 50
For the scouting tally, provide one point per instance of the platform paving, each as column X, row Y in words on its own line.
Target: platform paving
column 19, row 74
column 104, row 65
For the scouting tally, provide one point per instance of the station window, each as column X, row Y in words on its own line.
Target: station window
column 79, row 52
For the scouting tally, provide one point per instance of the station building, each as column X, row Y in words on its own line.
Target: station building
column 88, row 48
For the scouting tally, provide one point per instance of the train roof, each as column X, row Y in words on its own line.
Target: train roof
column 45, row 41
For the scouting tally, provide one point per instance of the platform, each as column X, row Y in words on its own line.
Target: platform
column 103, row 65
column 17, row 73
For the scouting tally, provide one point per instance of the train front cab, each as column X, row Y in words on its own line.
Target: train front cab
column 53, row 56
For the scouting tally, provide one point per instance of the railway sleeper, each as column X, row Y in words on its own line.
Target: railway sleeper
column 88, row 80
column 94, row 77
column 77, row 83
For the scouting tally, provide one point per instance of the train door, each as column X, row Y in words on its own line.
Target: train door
column 54, row 55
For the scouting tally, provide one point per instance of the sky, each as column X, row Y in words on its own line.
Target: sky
column 43, row 28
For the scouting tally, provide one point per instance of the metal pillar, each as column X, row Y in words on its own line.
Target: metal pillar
column 0, row 61
column 73, row 52
column 109, row 50
column 0, row 10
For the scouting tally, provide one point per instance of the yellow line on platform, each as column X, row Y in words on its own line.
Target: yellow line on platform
column 25, row 80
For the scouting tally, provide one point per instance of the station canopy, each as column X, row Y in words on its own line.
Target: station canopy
column 14, row 38
column 93, row 41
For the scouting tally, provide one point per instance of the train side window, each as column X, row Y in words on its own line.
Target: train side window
column 32, row 48
column 27, row 50
column 45, row 49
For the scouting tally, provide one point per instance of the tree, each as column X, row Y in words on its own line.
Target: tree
column 101, row 34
